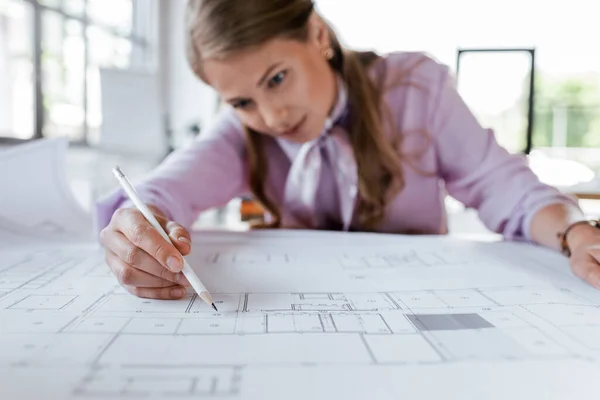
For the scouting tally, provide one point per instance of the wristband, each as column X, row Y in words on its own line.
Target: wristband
column 562, row 236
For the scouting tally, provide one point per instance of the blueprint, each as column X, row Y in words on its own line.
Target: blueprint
column 327, row 315
column 36, row 202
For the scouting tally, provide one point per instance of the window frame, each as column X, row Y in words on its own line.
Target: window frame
column 38, row 11
column 530, row 101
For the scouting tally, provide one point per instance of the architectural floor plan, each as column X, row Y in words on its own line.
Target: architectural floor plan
column 399, row 321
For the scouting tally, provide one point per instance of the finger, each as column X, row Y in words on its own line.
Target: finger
column 588, row 271
column 159, row 215
column 130, row 276
column 138, row 258
column 163, row 293
column 139, row 232
column 180, row 237
column 594, row 251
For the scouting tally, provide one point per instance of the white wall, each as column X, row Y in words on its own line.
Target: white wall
column 565, row 32
column 5, row 92
column 188, row 99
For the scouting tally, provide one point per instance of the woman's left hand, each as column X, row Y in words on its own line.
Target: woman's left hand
column 584, row 242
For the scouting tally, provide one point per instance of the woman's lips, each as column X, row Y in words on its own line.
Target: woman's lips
column 295, row 129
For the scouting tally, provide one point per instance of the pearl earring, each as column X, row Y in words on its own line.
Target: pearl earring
column 328, row 53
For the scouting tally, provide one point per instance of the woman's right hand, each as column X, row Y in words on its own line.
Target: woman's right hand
column 144, row 263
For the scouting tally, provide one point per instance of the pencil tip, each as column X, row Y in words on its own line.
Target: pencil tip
column 215, row 307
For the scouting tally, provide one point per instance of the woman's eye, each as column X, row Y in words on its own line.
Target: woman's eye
column 241, row 104
column 277, row 79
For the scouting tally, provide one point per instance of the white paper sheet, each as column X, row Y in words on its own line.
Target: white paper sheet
column 35, row 199
column 331, row 315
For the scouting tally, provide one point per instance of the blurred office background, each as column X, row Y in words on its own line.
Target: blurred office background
column 111, row 76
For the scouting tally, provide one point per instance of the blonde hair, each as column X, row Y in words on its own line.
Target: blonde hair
column 216, row 28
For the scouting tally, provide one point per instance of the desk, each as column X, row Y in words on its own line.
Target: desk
column 586, row 195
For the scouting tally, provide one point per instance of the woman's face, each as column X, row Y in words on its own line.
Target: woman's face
column 284, row 88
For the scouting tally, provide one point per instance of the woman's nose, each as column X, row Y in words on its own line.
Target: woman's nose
column 276, row 117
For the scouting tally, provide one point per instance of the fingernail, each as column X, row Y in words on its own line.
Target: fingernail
column 177, row 292
column 182, row 280
column 174, row 263
column 184, row 240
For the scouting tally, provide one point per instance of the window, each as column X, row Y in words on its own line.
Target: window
column 51, row 52
column 17, row 90
column 71, row 7
column 63, row 76
column 116, row 14
column 566, row 109
column 496, row 84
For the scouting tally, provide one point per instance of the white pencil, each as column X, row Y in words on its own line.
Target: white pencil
column 187, row 270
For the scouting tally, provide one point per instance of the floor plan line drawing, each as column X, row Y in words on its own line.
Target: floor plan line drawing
column 221, row 382
column 192, row 301
column 487, row 297
column 434, row 347
column 70, row 323
column 98, row 301
column 323, row 329
column 387, row 295
column 371, row 355
column 386, row 324
column 245, row 304
column 247, row 258
column 72, row 320
column 404, row 259
column 424, row 331
column 33, row 272
column 351, row 260
column 43, row 302
column 328, row 302
column 583, row 327
column 95, row 363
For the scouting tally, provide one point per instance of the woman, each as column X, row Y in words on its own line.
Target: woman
column 327, row 138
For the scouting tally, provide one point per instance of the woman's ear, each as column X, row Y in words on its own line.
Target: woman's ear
column 319, row 32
